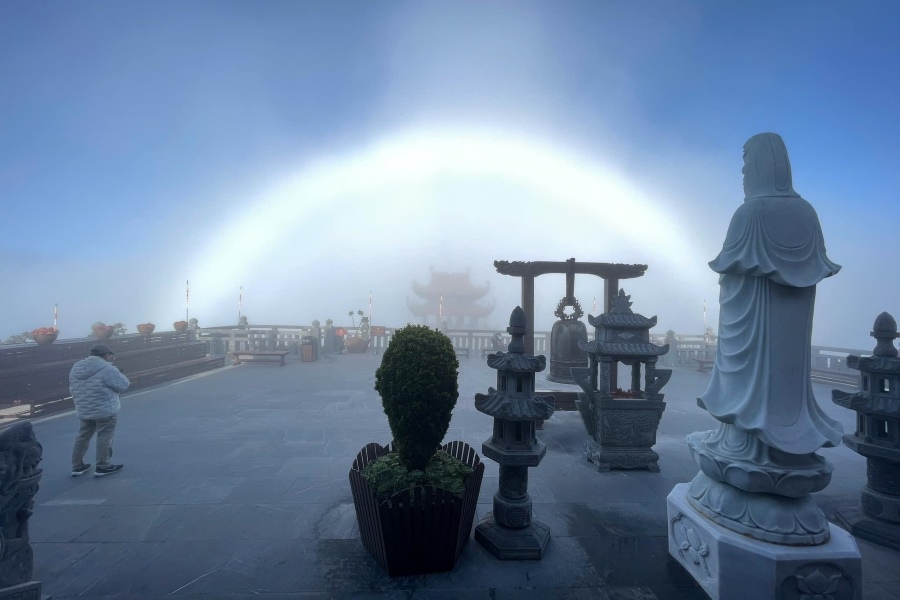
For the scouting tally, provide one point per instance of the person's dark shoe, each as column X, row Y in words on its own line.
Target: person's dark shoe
column 101, row 471
column 80, row 470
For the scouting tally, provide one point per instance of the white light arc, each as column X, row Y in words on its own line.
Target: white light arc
column 599, row 191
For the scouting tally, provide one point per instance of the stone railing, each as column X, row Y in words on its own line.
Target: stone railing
column 827, row 361
column 222, row 340
column 34, row 380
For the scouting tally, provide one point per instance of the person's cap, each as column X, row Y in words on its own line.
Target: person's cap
column 101, row 350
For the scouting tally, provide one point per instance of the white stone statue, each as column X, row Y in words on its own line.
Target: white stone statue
column 747, row 526
column 763, row 453
column 771, row 261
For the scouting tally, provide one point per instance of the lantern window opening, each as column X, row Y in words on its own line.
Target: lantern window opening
column 520, row 387
column 865, row 383
column 885, row 385
column 518, row 431
column 861, row 424
column 503, row 383
column 882, row 429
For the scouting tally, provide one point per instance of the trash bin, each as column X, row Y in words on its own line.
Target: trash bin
column 309, row 349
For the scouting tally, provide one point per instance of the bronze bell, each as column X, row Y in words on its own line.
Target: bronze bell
column 564, row 338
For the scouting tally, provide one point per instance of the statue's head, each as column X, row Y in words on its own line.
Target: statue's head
column 767, row 169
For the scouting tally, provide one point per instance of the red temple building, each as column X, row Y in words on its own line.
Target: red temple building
column 460, row 307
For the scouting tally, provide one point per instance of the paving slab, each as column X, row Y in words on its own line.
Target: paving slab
column 236, row 486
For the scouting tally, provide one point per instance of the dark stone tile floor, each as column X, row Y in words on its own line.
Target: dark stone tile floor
column 236, row 486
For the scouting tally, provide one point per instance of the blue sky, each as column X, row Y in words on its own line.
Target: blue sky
column 133, row 133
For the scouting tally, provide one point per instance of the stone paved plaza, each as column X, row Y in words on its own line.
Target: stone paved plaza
column 236, row 486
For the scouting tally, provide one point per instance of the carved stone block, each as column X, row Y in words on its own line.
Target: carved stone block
column 23, row 591
column 607, row 459
column 873, row 529
column 880, row 506
column 624, row 432
column 732, row 566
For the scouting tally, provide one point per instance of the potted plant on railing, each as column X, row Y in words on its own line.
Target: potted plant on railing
column 180, row 326
column 415, row 502
column 102, row 331
column 44, row 336
column 360, row 341
column 145, row 329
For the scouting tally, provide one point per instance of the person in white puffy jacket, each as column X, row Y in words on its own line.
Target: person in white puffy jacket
column 95, row 384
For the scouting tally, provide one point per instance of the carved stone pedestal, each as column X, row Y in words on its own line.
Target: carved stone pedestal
column 732, row 566
column 24, row 591
column 623, row 431
column 868, row 528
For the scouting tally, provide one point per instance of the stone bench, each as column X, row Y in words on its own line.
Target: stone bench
column 260, row 356
column 704, row 365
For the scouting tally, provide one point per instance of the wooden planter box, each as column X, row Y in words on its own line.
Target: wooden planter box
column 422, row 532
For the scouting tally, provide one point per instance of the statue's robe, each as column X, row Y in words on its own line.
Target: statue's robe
column 770, row 263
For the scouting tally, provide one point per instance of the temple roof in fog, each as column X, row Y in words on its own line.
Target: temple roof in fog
column 452, row 286
column 459, row 296
column 450, row 308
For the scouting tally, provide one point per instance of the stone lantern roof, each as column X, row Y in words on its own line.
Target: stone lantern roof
column 516, row 402
column 621, row 332
column 520, row 363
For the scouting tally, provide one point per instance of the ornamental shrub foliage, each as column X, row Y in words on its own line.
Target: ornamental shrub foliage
column 417, row 381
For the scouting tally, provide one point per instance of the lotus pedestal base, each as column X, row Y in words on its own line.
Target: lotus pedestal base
column 506, row 543
column 732, row 566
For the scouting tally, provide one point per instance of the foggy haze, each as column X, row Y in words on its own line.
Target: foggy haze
column 312, row 153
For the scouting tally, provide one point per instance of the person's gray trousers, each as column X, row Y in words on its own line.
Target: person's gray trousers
column 105, row 428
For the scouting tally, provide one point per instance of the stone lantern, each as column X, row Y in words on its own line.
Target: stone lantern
column 622, row 423
column 510, row 533
column 877, row 437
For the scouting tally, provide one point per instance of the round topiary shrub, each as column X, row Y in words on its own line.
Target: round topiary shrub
column 417, row 381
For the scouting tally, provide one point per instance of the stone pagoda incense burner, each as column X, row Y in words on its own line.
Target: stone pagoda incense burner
column 622, row 423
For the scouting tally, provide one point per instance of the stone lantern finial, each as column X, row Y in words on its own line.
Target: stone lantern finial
column 884, row 331
column 517, row 330
column 622, row 304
